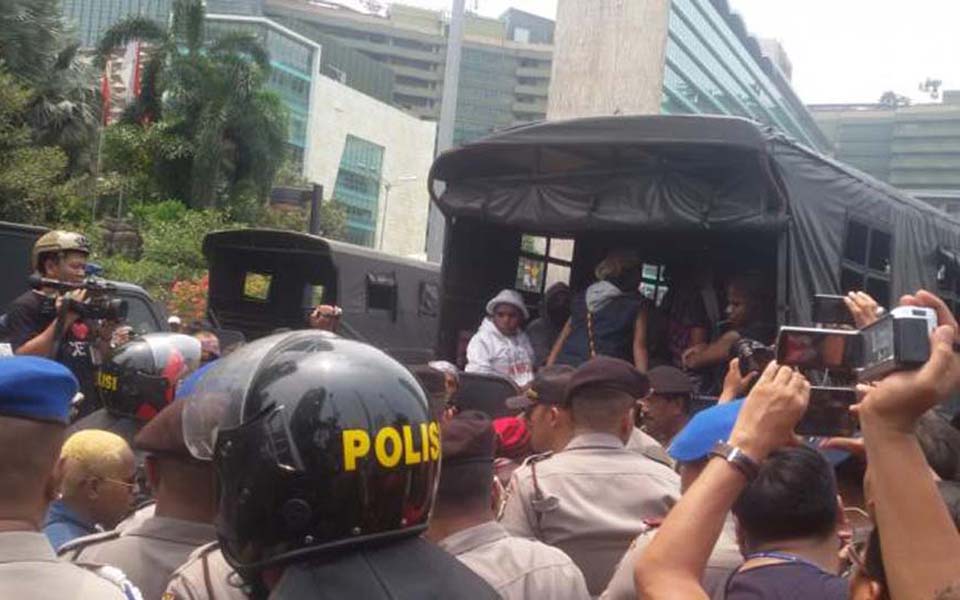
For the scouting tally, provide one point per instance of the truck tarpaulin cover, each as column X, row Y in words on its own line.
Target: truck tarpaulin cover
column 689, row 173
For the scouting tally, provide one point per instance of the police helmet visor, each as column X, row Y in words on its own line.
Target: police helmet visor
column 216, row 400
column 318, row 443
column 140, row 377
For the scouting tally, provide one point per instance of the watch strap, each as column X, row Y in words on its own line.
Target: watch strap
column 736, row 457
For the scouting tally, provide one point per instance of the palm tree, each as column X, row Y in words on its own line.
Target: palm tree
column 63, row 107
column 211, row 93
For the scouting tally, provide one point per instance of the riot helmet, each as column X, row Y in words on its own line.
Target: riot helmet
column 141, row 377
column 320, row 443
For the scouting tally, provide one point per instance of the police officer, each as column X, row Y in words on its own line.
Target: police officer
column 38, row 322
column 591, row 498
column 150, row 551
column 462, row 522
column 35, row 396
column 138, row 380
column 327, row 456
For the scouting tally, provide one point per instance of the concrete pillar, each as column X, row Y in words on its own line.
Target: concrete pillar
column 608, row 57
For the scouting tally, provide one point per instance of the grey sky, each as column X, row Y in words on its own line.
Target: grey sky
column 842, row 50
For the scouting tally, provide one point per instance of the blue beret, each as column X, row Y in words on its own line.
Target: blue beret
column 714, row 424
column 705, row 429
column 36, row 388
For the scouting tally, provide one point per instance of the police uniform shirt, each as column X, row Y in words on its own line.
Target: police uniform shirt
column 205, row 576
column 594, row 497
column 148, row 553
column 409, row 569
column 30, row 570
column 724, row 559
column 517, row 568
column 643, row 443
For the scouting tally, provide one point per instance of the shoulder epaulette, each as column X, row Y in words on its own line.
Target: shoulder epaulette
column 77, row 544
column 197, row 554
column 114, row 576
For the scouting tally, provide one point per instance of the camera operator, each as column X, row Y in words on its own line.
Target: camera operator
column 40, row 323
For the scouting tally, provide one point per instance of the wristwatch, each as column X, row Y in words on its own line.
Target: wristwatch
column 737, row 458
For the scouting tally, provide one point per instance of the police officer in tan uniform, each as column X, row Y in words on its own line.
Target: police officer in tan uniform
column 149, row 552
column 591, row 499
column 206, row 576
column 35, row 395
column 462, row 522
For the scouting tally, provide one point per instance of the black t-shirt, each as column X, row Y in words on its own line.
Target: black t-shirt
column 787, row 581
column 25, row 321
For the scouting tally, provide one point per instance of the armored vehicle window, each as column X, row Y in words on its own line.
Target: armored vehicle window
column 382, row 292
column 256, row 286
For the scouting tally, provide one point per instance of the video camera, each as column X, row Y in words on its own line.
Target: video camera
column 98, row 305
column 897, row 341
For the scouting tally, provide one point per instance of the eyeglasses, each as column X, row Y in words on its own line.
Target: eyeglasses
column 132, row 486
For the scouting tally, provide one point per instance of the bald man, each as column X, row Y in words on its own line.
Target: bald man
column 97, row 488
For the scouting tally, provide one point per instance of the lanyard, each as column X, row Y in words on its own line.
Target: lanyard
column 791, row 558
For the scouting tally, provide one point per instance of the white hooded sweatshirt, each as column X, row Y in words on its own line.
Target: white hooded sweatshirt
column 493, row 353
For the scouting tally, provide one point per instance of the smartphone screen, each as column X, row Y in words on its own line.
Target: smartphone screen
column 831, row 310
column 828, row 413
column 809, row 348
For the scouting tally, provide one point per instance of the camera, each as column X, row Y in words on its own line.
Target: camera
column 98, row 305
column 752, row 355
column 900, row 340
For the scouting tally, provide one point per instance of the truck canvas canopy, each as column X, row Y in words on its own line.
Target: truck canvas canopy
column 666, row 180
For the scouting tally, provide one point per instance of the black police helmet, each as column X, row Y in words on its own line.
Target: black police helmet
column 140, row 377
column 320, row 444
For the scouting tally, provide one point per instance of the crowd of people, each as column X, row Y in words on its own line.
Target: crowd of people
column 304, row 464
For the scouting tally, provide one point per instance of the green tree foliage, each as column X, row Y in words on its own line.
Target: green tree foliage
column 210, row 94
column 29, row 174
column 62, row 104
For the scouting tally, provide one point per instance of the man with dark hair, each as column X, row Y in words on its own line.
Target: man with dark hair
column 666, row 409
column 150, row 551
column 35, row 396
column 787, row 525
column 940, row 443
column 554, row 312
column 462, row 522
column 545, row 410
column 592, row 497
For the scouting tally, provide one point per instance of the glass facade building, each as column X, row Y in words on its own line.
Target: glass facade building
column 358, row 188
column 292, row 61
column 713, row 66
column 91, row 18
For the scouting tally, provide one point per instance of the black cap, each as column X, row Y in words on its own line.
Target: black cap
column 548, row 387
column 466, row 438
column 606, row 372
column 669, row 381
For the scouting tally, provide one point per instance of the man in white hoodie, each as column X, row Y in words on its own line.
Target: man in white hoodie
column 500, row 347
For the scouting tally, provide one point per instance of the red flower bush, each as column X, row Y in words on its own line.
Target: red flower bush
column 188, row 298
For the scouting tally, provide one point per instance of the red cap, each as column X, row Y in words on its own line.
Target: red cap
column 513, row 438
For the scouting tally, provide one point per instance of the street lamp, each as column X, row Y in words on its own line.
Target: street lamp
column 386, row 198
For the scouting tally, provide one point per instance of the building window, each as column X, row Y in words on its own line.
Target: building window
column 358, row 188
column 866, row 264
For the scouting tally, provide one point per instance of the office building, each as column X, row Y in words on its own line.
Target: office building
column 678, row 57
column 91, row 18
column 915, row 148
column 505, row 66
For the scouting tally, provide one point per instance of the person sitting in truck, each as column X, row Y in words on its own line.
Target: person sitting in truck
column 608, row 318
column 545, row 329
column 749, row 305
column 500, row 347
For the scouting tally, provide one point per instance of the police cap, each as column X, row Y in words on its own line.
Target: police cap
column 36, row 388
column 606, row 372
column 467, row 438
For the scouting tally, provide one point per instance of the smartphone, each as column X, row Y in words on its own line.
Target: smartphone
column 831, row 310
column 828, row 414
column 811, row 348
